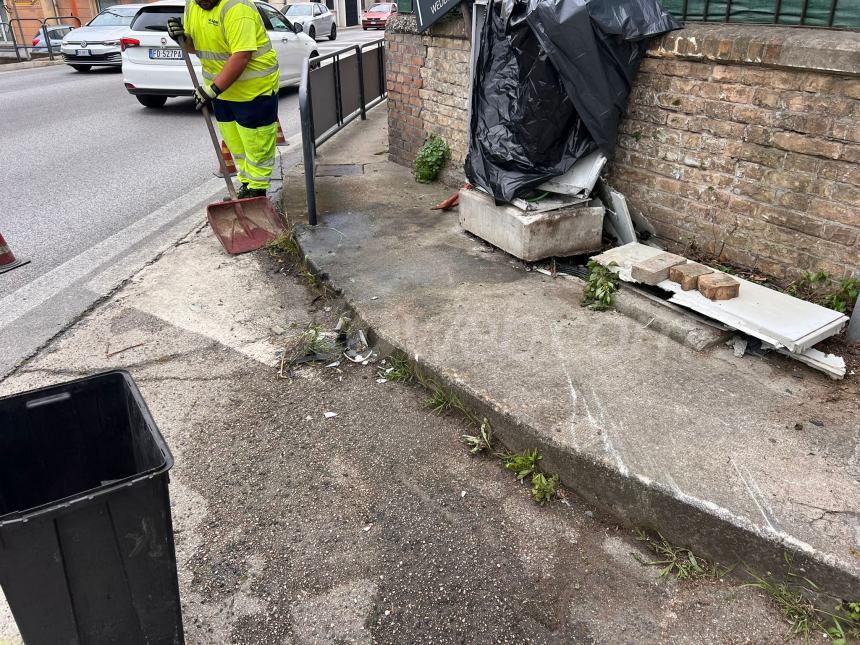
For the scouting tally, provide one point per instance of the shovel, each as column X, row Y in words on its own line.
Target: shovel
column 241, row 225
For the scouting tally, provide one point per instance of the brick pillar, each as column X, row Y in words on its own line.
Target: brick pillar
column 405, row 56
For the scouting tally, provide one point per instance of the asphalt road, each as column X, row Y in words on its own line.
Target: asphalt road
column 90, row 178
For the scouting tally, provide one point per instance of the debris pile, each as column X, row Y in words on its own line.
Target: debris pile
column 549, row 88
column 781, row 322
column 315, row 345
column 550, row 84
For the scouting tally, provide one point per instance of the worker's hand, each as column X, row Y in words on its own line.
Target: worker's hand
column 175, row 29
column 204, row 94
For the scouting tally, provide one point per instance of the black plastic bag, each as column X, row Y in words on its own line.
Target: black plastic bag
column 551, row 84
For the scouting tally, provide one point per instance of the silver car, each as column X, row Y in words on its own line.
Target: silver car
column 55, row 36
column 314, row 17
column 98, row 42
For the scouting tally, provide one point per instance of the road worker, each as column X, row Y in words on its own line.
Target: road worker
column 240, row 82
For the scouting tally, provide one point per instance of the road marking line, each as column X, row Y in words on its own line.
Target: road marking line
column 20, row 302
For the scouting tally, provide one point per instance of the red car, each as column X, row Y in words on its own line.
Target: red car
column 377, row 15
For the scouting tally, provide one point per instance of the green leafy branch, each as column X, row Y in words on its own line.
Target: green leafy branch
column 600, row 286
column 432, row 156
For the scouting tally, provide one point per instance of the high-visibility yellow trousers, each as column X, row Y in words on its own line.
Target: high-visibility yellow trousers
column 250, row 130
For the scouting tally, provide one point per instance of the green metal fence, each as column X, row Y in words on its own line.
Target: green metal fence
column 843, row 14
column 839, row 14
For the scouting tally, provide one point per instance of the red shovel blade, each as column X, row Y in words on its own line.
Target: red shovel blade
column 245, row 224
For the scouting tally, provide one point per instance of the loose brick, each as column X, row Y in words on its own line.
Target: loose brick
column 656, row 269
column 687, row 275
column 718, row 286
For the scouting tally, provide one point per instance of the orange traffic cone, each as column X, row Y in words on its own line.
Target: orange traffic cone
column 228, row 161
column 281, row 140
column 7, row 258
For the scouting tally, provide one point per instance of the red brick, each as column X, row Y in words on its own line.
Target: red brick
column 752, row 152
column 802, row 163
column 846, row 194
column 807, row 123
column 754, row 115
column 827, row 209
column 807, row 145
column 688, row 274
column 718, row 286
column 846, row 131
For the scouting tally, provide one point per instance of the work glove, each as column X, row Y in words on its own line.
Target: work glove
column 204, row 94
column 175, row 29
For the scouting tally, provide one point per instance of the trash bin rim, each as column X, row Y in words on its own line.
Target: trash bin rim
column 93, row 494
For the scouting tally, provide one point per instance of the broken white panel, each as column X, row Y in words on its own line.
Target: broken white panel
column 830, row 364
column 641, row 223
column 620, row 217
column 580, row 179
column 548, row 203
column 772, row 316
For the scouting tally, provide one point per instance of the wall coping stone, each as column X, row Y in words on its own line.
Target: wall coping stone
column 449, row 26
column 817, row 50
column 820, row 50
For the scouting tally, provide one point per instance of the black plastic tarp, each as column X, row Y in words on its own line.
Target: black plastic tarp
column 551, row 84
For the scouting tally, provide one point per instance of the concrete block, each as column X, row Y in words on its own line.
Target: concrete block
column 687, row 275
column 655, row 269
column 719, row 286
column 532, row 236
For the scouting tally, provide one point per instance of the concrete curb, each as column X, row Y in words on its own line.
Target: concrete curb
column 710, row 530
column 680, row 327
column 29, row 64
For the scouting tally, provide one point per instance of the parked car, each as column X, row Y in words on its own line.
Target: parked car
column 377, row 15
column 315, row 17
column 55, row 36
column 152, row 65
column 97, row 43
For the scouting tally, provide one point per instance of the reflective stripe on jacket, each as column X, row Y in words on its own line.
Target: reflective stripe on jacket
column 229, row 27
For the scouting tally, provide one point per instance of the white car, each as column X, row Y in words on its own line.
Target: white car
column 97, row 43
column 152, row 65
column 315, row 17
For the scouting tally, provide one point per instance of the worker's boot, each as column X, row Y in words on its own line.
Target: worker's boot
column 257, row 192
column 242, row 192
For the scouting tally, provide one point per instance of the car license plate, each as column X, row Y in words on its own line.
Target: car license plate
column 166, row 54
column 83, row 52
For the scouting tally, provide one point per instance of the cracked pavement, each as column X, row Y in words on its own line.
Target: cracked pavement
column 374, row 526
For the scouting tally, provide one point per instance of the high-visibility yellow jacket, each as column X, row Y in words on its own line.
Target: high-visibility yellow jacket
column 229, row 27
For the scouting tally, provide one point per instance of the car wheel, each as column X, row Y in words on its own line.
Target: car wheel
column 151, row 101
column 333, row 33
column 312, row 32
column 81, row 68
column 316, row 65
column 365, row 28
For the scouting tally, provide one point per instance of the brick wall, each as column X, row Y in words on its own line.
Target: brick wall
column 759, row 165
column 741, row 140
column 428, row 87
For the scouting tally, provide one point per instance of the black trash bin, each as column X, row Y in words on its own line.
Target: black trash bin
column 86, row 540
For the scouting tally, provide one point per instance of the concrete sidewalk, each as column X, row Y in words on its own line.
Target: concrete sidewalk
column 742, row 458
column 374, row 526
column 29, row 64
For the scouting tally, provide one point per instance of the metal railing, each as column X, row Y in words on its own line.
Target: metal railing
column 333, row 95
column 844, row 14
column 8, row 40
